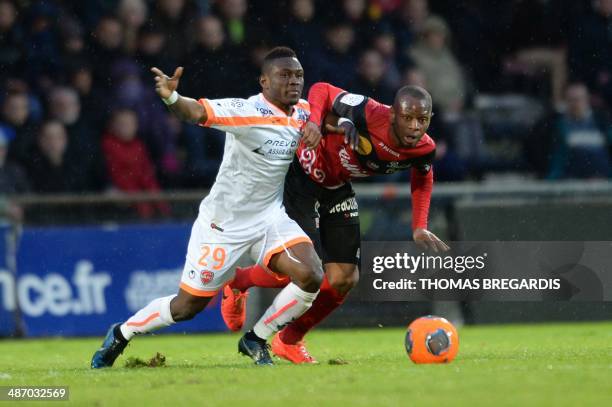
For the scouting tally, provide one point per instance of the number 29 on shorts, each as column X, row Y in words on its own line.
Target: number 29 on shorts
column 212, row 254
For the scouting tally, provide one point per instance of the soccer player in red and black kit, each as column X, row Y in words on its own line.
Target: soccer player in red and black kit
column 363, row 138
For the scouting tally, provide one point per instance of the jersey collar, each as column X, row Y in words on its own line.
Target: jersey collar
column 276, row 109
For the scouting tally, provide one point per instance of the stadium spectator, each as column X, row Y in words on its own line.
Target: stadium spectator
column 72, row 45
column 581, row 139
column 336, row 62
column 92, row 98
column 176, row 19
column 370, row 78
column 216, row 71
column 590, row 50
column 83, row 140
column 213, row 62
column 13, row 179
column 478, row 37
column 64, row 105
column 11, row 40
column 133, row 15
column 248, row 39
column 81, row 79
column 49, row 169
column 407, row 23
column 204, row 149
column 90, row 11
column 151, row 49
column 129, row 165
column 384, row 42
column 303, row 32
column 537, row 48
column 105, row 49
column 43, row 51
column 155, row 130
column 380, row 7
column 15, row 121
column 356, row 12
column 251, row 68
column 234, row 15
column 442, row 71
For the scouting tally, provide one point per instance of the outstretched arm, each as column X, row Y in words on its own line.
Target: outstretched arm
column 184, row 108
column 421, row 186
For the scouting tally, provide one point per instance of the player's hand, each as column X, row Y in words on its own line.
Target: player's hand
column 346, row 127
column 164, row 85
column 427, row 240
column 312, row 135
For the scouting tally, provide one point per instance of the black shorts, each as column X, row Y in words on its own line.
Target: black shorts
column 330, row 217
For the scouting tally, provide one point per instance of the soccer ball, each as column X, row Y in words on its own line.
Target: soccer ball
column 431, row 339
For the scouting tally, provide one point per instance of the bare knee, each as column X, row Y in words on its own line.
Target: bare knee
column 301, row 264
column 186, row 308
column 308, row 278
column 343, row 279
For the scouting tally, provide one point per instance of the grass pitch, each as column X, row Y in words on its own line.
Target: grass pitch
column 560, row 365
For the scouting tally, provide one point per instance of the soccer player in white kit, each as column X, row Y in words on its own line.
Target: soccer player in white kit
column 243, row 213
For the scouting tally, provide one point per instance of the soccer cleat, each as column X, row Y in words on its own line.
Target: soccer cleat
column 110, row 350
column 256, row 350
column 297, row 353
column 233, row 307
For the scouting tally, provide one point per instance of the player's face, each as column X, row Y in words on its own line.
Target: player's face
column 409, row 120
column 284, row 81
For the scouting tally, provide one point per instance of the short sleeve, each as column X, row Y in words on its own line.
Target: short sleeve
column 234, row 115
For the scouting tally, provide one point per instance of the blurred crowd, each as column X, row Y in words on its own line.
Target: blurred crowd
column 519, row 86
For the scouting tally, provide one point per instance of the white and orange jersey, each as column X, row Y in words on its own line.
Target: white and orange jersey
column 260, row 143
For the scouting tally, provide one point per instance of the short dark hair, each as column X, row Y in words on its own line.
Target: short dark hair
column 277, row 53
column 413, row 91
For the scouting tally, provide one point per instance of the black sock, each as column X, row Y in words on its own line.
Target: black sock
column 253, row 337
column 119, row 334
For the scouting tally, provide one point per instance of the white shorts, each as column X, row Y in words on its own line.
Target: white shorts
column 212, row 254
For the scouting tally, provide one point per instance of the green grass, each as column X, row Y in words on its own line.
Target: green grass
column 560, row 365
